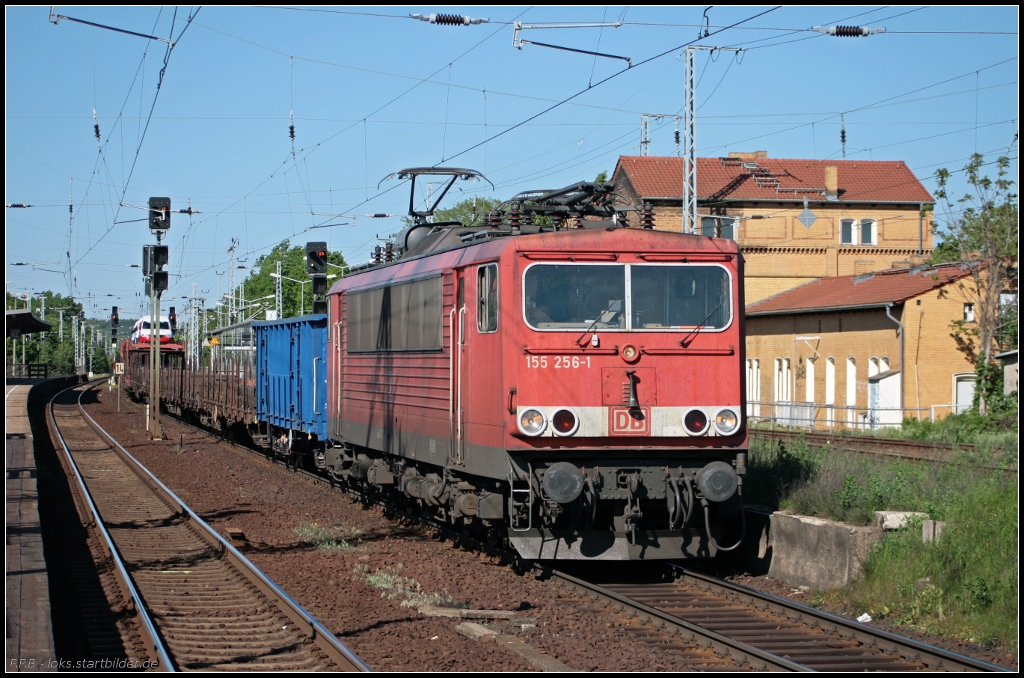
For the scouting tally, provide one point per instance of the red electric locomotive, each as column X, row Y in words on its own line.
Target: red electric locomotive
column 554, row 379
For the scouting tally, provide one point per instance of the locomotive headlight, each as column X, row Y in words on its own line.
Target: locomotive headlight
column 726, row 421
column 564, row 423
column 696, row 422
column 532, row 423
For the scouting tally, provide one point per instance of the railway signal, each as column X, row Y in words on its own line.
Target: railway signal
column 159, row 214
column 316, row 258
column 172, row 317
column 113, row 325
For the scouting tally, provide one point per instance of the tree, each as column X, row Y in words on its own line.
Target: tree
column 295, row 297
column 983, row 236
column 470, row 212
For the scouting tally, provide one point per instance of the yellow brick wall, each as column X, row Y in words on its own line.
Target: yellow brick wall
column 930, row 353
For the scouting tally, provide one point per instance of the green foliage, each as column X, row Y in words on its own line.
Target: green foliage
column 982, row 232
column 47, row 347
column 332, row 538
column 965, row 586
column 296, row 298
column 393, row 585
column 469, row 212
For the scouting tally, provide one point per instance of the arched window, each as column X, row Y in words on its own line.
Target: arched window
column 787, row 380
column 809, row 397
column 885, row 364
column 777, row 381
column 872, row 366
column 868, row 232
column 851, row 389
column 830, row 389
column 846, row 232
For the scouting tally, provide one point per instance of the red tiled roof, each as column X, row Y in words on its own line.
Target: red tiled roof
column 775, row 179
column 859, row 291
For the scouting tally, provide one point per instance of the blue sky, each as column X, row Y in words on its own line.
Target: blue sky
column 371, row 91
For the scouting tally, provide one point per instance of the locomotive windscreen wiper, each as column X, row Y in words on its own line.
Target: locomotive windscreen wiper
column 702, row 324
column 605, row 316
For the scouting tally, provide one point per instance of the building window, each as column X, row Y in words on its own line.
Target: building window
column 885, row 364
column 754, row 388
column 783, row 376
column 810, row 381
column 969, row 312
column 718, row 227
column 830, row 388
column 872, row 366
column 868, row 232
column 851, row 389
column 846, row 231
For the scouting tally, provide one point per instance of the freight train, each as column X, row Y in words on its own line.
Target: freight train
column 556, row 380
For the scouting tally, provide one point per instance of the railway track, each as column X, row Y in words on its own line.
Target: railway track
column 911, row 450
column 746, row 629
column 763, row 632
column 193, row 601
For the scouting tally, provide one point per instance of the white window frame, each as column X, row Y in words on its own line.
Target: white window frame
column 854, row 232
column 851, row 389
column 873, row 225
column 809, row 381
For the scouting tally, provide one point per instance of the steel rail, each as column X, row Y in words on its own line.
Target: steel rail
column 147, row 629
column 745, row 654
column 326, row 640
column 897, row 448
column 936, row 658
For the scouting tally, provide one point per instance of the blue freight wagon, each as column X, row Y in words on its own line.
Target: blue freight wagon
column 291, row 375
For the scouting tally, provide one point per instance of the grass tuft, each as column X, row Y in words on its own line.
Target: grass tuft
column 335, row 538
column 393, row 585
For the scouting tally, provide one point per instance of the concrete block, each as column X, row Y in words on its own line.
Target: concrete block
column 486, row 614
column 438, row 611
column 475, row 631
column 818, row 553
column 895, row 520
column 931, row 530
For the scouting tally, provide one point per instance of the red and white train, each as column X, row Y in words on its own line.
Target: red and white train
column 573, row 387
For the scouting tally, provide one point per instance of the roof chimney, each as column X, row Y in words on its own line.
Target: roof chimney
column 753, row 155
column 831, row 182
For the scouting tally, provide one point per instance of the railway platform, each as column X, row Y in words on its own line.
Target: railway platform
column 29, row 639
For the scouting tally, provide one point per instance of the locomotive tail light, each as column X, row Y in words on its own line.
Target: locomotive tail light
column 532, row 422
column 696, row 422
column 563, row 482
column 726, row 422
column 717, row 481
column 630, row 353
column 565, row 423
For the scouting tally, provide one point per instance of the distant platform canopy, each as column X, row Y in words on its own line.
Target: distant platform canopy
column 22, row 321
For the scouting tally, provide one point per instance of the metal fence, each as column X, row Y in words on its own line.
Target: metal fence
column 795, row 414
column 28, row 371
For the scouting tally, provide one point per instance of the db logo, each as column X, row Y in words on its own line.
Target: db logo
column 624, row 421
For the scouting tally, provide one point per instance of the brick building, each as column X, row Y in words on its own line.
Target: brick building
column 861, row 350
column 795, row 220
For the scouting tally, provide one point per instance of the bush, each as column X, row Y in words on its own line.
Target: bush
column 964, row 586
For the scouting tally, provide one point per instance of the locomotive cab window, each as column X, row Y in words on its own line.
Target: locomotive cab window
column 487, row 298
column 627, row 297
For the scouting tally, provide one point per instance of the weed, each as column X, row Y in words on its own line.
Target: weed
column 334, row 538
column 395, row 586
